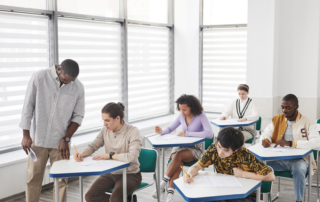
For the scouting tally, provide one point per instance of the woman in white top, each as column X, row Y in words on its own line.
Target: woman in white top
column 243, row 109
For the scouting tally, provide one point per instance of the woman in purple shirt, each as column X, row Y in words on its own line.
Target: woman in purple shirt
column 194, row 123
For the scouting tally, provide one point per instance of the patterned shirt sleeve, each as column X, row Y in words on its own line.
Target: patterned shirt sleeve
column 209, row 157
column 257, row 166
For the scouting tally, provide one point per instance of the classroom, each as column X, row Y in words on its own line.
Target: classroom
column 159, row 100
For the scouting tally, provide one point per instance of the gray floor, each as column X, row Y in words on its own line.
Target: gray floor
column 287, row 190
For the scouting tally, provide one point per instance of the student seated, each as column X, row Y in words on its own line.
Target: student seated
column 122, row 143
column 194, row 123
column 243, row 109
column 291, row 128
column 229, row 157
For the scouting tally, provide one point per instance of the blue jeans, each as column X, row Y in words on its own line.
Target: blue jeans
column 298, row 168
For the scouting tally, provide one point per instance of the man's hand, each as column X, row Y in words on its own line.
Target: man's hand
column 282, row 143
column 101, row 156
column 265, row 143
column 182, row 133
column 238, row 172
column 242, row 120
column 64, row 150
column 223, row 118
column 26, row 141
column 187, row 179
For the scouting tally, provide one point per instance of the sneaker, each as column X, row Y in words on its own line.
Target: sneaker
column 169, row 198
column 154, row 195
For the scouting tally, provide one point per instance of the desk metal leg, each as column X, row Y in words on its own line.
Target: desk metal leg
column 158, row 175
column 163, row 163
column 81, row 188
column 56, row 188
column 258, row 195
column 310, row 177
column 124, row 181
column 255, row 134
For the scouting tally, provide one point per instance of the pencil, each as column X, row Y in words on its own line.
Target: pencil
column 186, row 173
column 266, row 140
column 75, row 149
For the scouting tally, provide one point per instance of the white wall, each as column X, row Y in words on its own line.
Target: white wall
column 186, row 52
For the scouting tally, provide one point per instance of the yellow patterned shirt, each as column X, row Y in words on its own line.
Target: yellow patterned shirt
column 242, row 158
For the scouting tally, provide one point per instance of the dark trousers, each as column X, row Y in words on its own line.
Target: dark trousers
column 104, row 183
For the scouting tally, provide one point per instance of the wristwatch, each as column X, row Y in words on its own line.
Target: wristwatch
column 66, row 139
column 111, row 154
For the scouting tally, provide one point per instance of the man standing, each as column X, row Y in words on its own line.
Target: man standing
column 292, row 129
column 53, row 110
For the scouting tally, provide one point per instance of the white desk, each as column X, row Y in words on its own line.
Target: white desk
column 290, row 153
column 158, row 144
column 318, row 127
column 234, row 123
column 64, row 169
column 210, row 193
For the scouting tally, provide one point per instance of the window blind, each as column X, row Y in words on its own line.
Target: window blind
column 24, row 49
column 97, row 49
column 224, row 66
column 148, row 71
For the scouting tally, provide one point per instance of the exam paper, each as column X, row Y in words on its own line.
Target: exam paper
column 166, row 137
column 86, row 162
column 275, row 149
column 32, row 155
column 230, row 121
column 216, row 181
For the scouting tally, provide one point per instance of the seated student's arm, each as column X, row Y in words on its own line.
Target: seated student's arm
column 175, row 124
column 313, row 141
column 254, row 116
column 258, row 170
column 92, row 147
column 207, row 159
column 227, row 112
column 267, row 134
column 207, row 130
column 134, row 148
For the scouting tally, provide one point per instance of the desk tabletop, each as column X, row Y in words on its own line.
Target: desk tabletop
column 318, row 127
column 290, row 153
column 70, row 168
column 210, row 193
column 180, row 141
column 231, row 123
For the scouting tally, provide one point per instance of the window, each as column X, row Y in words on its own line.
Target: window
column 38, row 4
column 105, row 8
column 148, row 71
column 223, row 12
column 148, row 10
column 24, row 49
column 224, row 52
column 224, row 66
column 96, row 47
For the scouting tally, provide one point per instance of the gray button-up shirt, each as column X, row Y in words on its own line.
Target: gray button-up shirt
column 51, row 108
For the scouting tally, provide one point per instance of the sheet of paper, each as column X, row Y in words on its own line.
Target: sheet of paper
column 86, row 161
column 104, row 164
column 230, row 121
column 224, row 181
column 200, row 181
column 275, row 149
column 32, row 155
column 166, row 137
column 216, row 181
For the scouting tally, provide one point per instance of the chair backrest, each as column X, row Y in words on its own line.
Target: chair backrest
column 208, row 142
column 148, row 160
column 258, row 124
column 318, row 121
column 315, row 154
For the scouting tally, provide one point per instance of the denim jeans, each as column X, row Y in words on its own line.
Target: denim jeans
column 298, row 168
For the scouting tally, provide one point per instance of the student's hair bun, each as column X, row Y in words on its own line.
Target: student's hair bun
column 121, row 105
